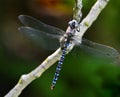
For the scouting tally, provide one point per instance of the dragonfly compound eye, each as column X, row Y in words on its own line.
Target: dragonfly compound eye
column 73, row 24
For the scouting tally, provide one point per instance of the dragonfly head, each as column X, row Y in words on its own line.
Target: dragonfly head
column 73, row 24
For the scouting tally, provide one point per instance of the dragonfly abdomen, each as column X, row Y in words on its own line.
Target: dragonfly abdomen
column 59, row 66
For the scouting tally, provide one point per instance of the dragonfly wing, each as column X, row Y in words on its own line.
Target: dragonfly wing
column 36, row 24
column 40, row 38
column 97, row 49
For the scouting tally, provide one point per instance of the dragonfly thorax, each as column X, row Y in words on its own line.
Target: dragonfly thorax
column 70, row 32
column 68, row 37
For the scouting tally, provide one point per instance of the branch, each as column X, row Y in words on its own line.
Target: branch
column 26, row 79
column 77, row 10
column 92, row 15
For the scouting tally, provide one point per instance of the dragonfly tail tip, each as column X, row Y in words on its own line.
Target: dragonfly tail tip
column 52, row 87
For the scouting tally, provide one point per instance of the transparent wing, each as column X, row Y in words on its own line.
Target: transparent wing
column 99, row 49
column 36, row 24
column 40, row 38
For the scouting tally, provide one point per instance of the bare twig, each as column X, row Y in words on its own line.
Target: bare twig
column 77, row 10
column 26, row 79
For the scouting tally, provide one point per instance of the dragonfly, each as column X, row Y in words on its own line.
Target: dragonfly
column 52, row 38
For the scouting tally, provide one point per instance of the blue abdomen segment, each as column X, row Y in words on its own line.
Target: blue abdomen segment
column 57, row 72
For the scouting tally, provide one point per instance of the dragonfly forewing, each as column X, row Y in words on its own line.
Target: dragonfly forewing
column 36, row 24
column 97, row 49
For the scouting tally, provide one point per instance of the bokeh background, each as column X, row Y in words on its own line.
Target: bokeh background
column 82, row 75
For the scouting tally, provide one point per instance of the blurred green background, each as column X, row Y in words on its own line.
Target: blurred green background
column 82, row 75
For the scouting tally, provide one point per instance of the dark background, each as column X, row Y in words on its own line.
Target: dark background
column 82, row 75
